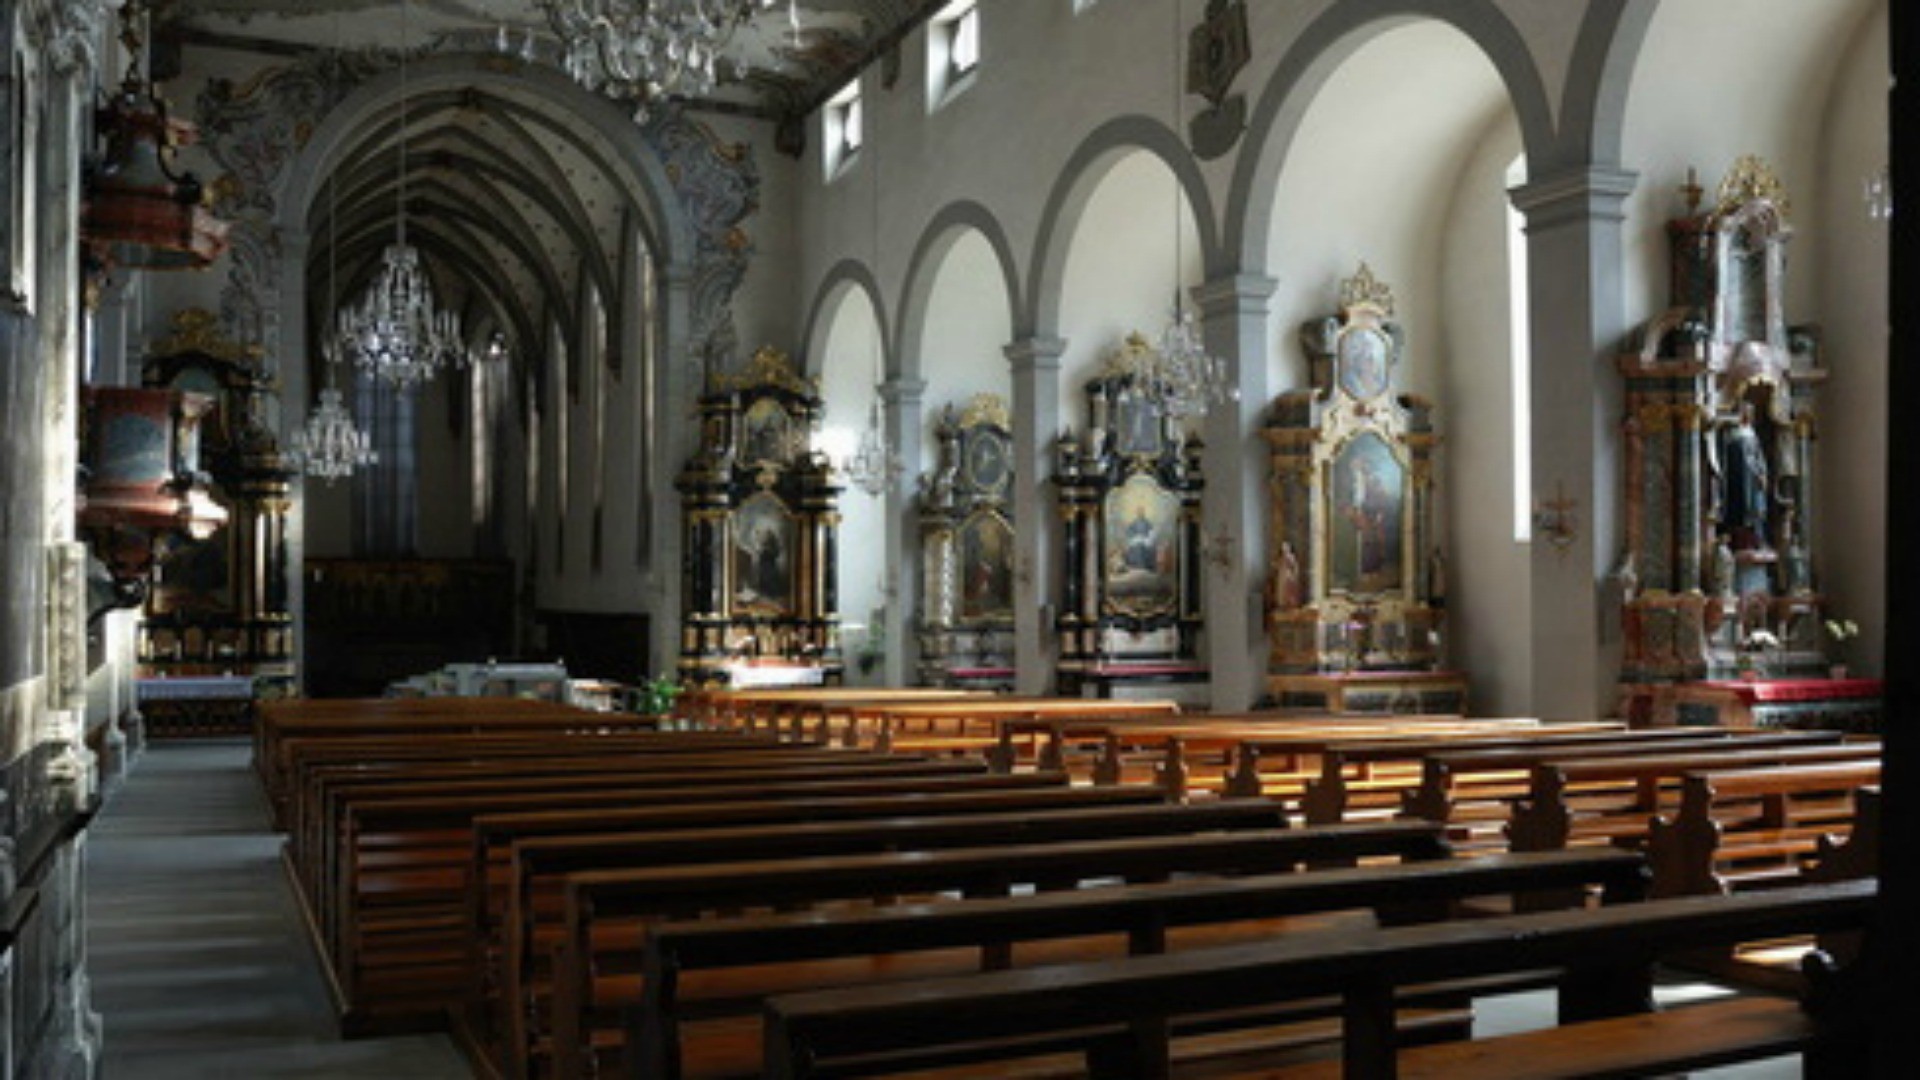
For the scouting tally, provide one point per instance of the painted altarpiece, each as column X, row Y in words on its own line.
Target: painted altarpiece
column 761, row 521
column 966, row 544
column 1130, row 507
column 1357, row 581
column 1716, row 581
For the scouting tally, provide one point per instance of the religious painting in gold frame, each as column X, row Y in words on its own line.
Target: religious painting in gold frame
column 985, row 542
column 764, row 544
column 1140, row 539
column 1366, row 517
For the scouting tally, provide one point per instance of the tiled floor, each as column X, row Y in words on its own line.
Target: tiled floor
column 201, row 968
column 199, row 962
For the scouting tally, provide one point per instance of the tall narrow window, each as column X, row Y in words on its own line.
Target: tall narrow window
column 1520, row 360
column 953, row 51
column 845, row 121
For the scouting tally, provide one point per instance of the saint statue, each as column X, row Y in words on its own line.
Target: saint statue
column 1289, row 587
column 1743, row 502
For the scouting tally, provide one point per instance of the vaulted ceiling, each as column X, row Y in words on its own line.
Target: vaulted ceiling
column 790, row 57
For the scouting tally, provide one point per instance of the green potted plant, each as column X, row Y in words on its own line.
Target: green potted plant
column 656, row 696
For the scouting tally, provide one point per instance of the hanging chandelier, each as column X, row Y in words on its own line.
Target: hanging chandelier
column 395, row 333
column 330, row 447
column 874, row 466
column 1179, row 377
column 646, row 50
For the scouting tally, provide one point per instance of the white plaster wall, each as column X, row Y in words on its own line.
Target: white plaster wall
column 1120, row 276
column 966, row 326
column 1718, row 79
column 1489, row 589
column 848, row 359
column 1852, row 306
column 1409, row 144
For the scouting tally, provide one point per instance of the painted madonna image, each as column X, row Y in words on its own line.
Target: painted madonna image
column 1141, row 525
column 1367, row 517
column 763, row 543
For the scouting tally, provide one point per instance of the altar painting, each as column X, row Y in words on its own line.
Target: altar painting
column 985, row 544
column 1141, row 527
column 766, row 433
column 1366, row 517
column 763, row 557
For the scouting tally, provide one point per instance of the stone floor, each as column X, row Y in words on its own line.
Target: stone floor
column 199, row 960
column 201, row 966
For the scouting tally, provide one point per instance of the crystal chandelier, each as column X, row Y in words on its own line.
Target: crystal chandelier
column 1180, row 378
column 874, row 466
column 394, row 332
column 329, row 446
column 645, row 50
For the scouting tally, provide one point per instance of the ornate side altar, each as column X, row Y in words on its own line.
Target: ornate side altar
column 966, row 544
column 761, row 527
column 1716, row 580
column 1358, row 586
column 218, row 605
column 1130, row 508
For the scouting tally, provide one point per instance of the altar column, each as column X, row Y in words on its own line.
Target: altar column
column 1234, row 316
column 905, row 421
column 1576, row 300
column 1036, row 420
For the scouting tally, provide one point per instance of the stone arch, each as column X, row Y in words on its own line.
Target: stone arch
column 1067, row 202
column 845, row 274
column 948, row 226
column 1312, row 59
column 1593, row 106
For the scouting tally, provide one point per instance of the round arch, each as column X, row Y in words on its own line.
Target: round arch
column 845, row 274
column 1096, row 155
column 947, row 228
column 1317, row 53
column 1593, row 111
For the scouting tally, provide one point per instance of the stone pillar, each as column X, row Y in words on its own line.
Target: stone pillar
column 1575, row 296
column 296, row 401
column 1233, row 312
column 1036, row 415
column 675, row 429
column 905, row 420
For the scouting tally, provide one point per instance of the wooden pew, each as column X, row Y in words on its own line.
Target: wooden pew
column 1610, row 800
column 488, row 1024
column 1741, row 828
column 541, row 867
column 385, row 889
column 598, row 902
column 1608, row 954
column 754, row 957
column 1375, row 777
column 1473, row 789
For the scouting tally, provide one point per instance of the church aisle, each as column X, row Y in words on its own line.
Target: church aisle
column 199, row 962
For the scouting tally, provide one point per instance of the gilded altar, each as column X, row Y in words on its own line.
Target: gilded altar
column 1129, row 492
column 761, row 527
column 217, row 605
column 1357, row 583
column 1716, row 577
column 966, row 546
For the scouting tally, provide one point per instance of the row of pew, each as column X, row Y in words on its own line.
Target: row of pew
column 852, row 883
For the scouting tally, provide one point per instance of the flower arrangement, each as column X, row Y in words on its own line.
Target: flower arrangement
column 656, row 696
column 1754, row 646
column 1841, row 631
